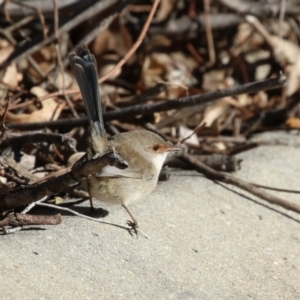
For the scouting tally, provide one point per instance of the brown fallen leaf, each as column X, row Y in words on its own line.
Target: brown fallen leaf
column 50, row 110
column 5, row 50
column 286, row 53
column 12, row 77
column 293, row 123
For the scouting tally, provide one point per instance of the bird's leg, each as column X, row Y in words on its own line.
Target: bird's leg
column 92, row 208
column 91, row 204
column 133, row 224
column 97, row 212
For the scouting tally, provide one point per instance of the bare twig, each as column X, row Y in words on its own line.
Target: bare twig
column 3, row 117
column 89, row 218
column 209, row 35
column 146, row 109
column 18, row 219
column 39, row 137
column 59, row 60
column 26, row 210
column 38, row 12
column 276, row 189
column 101, row 27
column 217, row 162
column 135, row 45
column 281, row 16
column 21, row 171
column 259, row 9
column 246, row 186
column 196, row 130
column 199, row 99
column 196, row 55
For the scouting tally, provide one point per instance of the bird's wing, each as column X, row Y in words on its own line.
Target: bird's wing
column 110, row 171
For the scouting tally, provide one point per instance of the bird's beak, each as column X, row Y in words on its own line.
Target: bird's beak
column 172, row 148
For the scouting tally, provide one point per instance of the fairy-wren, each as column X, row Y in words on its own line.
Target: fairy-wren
column 144, row 151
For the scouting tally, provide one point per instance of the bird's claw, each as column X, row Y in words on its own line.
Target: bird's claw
column 133, row 226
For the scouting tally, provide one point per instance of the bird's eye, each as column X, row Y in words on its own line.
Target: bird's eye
column 155, row 147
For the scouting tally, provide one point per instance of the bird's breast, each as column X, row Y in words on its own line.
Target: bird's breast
column 121, row 190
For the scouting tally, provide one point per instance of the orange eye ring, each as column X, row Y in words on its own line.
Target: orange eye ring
column 155, row 147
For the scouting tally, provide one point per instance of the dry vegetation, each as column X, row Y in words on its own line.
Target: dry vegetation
column 157, row 60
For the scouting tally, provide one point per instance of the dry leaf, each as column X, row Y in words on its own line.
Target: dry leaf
column 58, row 200
column 165, row 9
column 173, row 69
column 19, row 167
column 61, row 81
column 285, row 51
column 185, row 132
column 293, row 82
column 27, row 161
column 213, row 112
column 74, row 158
column 50, row 110
column 12, row 77
column 293, row 123
column 6, row 50
column 213, row 80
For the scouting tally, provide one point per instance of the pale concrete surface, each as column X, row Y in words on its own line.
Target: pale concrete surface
column 206, row 242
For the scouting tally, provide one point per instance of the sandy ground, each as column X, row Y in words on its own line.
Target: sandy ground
column 207, row 241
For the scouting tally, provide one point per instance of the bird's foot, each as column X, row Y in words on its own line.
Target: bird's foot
column 134, row 225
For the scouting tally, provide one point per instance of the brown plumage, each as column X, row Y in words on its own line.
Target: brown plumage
column 143, row 150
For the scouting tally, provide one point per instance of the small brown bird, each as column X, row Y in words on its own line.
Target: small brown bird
column 144, row 151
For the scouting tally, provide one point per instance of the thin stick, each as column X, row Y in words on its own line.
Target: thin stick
column 246, row 186
column 196, row 130
column 281, row 17
column 39, row 137
column 2, row 125
column 209, row 35
column 276, row 189
column 135, row 45
column 146, row 109
column 19, row 220
column 58, row 54
column 25, row 211
column 38, row 12
column 91, row 219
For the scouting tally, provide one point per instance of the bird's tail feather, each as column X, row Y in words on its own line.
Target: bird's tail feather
column 85, row 69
